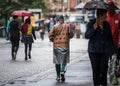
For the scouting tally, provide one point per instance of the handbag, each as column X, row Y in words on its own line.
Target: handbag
column 117, row 69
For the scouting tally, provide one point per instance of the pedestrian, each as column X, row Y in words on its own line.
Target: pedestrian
column 7, row 28
column 114, row 20
column 51, row 24
column 99, row 47
column 60, row 36
column 14, row 32
column 42, row 30
column 28, row 34
column 77, row 30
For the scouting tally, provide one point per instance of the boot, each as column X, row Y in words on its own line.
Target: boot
column 25, row 57
column 29, row 55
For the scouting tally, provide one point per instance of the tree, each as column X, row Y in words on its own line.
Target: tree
column 8, row 6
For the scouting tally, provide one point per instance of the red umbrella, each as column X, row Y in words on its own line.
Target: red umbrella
column 21, row 13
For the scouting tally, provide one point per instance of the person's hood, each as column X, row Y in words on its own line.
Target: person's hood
column 111, row 13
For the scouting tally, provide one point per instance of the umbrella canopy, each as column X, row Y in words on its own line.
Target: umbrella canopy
column 95, row 5
column 111, row 6
column 21, row 13
column 39, row 20
column 47, row 21
column 80, row 5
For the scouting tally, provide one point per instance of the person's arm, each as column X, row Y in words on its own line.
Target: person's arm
column 90, row 30
column 33, row 32
column 119, row 37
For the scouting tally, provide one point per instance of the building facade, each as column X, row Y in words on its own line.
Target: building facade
column 65, row 5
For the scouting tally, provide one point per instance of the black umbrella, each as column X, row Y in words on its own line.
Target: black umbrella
column 95, row 5
column 111, row 6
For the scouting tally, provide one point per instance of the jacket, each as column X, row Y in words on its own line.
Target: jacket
column 61, row 36
column 100, row 40
column 114, row 21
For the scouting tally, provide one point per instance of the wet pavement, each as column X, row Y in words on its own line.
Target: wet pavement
column 78, row 74
column 41, row 59
column 39, row 71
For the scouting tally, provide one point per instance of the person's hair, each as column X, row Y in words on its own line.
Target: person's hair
column 14, row 17
column 61, row 18
column 101, row 12
column 28, row 21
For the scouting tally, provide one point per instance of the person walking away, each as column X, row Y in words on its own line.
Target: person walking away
column 42, row 30
column 77, row 30
column 99, row 47
column 28, row 34
column 14, row 32
column 51, row 24
column 60, row 36
column 7, row 28
column 114, row 20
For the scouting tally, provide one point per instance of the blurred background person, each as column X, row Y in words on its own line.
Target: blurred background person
column 114, row 20
column 14, row 32
column 28, row 34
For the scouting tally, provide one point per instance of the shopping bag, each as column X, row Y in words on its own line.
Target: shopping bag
column 112, row 68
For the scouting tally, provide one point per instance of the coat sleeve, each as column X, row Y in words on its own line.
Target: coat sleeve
column 89, row 30
column 52, row 34
column 119, row 32
column 33, row 32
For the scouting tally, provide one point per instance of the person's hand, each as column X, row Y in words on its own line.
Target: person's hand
column 95, row 26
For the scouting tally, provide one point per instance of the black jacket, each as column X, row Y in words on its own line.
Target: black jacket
column 14, row 31
column 100, row 40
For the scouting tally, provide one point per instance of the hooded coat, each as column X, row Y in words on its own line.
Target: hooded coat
column 114, row 20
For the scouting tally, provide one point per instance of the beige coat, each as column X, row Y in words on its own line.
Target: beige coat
column 61, row 36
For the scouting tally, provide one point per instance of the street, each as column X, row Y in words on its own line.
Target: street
column 41, row 58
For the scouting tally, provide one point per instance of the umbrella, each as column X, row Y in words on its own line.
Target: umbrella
column 21, row 13
column 80, row 5
column 39, row 20
column 111, row 6
column 47, row 21
column 95, row 5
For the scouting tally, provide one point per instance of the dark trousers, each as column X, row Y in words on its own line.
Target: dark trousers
column 26, row 49
column 15, row 46
column 42, row 36
column 99, row 63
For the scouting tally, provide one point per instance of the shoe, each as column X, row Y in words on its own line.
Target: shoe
column 58, row 79
column 29, row 56
column 25, row 58
column 62, row 76
column 14, row 56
